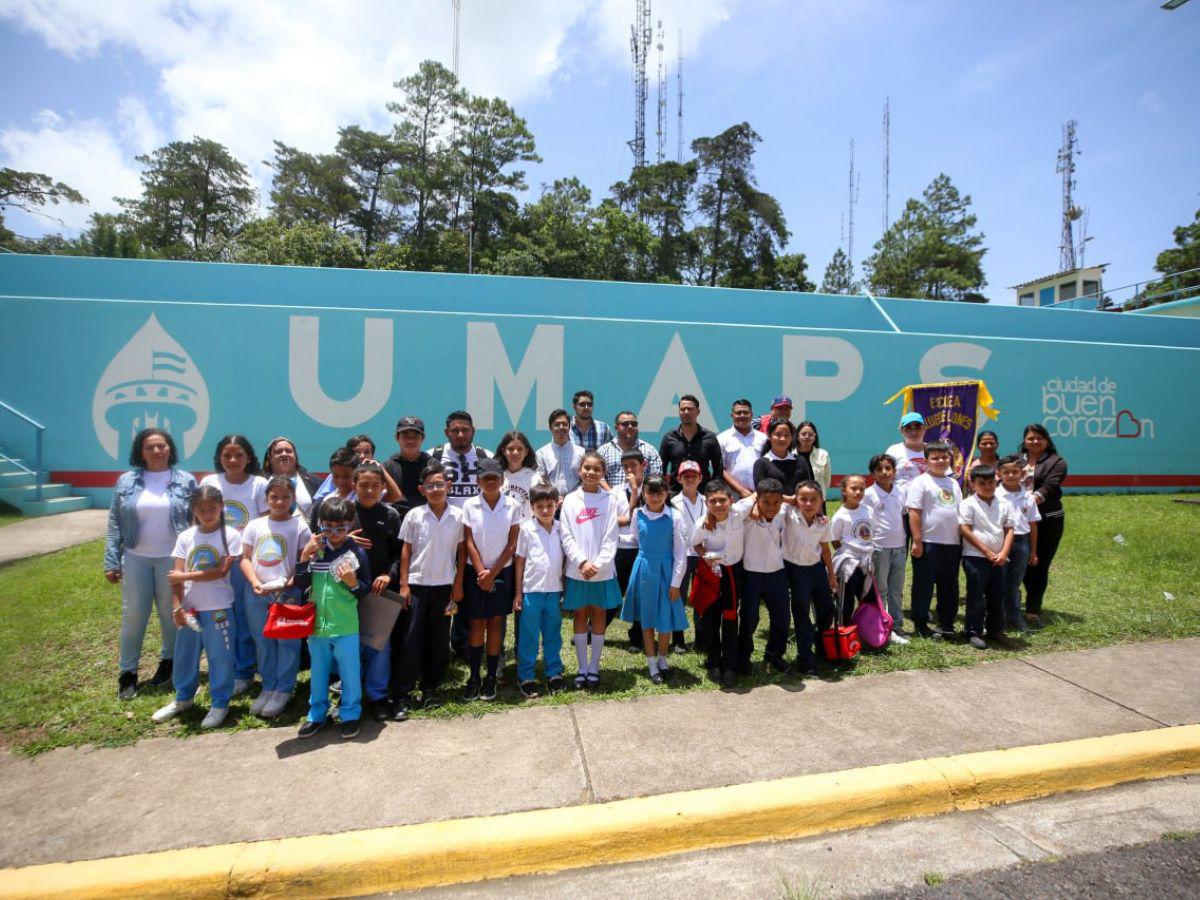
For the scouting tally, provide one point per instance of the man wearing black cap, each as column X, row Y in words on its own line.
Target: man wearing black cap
column 405, row 466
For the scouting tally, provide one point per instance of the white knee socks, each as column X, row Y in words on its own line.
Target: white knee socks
column 597, row 647
column 581, row 645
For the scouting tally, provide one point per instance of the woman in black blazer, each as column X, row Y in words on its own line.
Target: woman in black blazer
column 1045, row 472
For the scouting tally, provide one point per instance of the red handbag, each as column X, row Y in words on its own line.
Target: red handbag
column 706, row 587
column 286, row 621
column 841, row 642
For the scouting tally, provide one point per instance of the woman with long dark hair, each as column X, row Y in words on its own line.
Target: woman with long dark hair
column 1045, row 472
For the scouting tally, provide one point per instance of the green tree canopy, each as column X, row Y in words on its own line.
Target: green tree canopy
column 839, row 276
column 272, row 242
column 1183, row 256
column 312, row 187
column 930, row 252
column 195, row 196
column 30, row 192
column 372, row 160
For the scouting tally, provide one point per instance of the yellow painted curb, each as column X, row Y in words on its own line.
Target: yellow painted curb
column 464, row 850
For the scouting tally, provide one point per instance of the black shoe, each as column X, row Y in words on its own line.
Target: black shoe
column 945, row 633
column 802, row 668
column 1035, row 621
column 529, row 689
column 555, row 684
column 471, row 691
column 489, row 688
column 308, row 729
column 162, row 675
column 773, row 666
column 656, row 678
column 127, row 685
column 714, row 673
column 729, row 679
column 400, row 710
column 350, row 729
column 923, row 631
column 430, row 700
column 1002, row 640
column 593, row 681
column 381, row 710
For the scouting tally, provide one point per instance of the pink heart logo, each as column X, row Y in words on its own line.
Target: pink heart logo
column 1128, row 425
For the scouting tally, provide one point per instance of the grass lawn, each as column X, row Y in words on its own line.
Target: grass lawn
column 59, row 623
column 9, row 514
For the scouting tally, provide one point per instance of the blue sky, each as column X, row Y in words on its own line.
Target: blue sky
column 978, row 90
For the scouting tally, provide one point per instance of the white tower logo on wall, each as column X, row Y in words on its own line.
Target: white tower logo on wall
column 150, row 383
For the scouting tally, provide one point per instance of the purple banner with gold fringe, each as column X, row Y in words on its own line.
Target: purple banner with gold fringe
column 952, row 410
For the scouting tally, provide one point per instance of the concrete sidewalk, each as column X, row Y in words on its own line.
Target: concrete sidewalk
column 169, row 793
column 46, row 534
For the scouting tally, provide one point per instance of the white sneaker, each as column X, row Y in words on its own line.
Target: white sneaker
column 216, row 717
column 241, row 685
column 171, row 710
column 279, row 700
column 898, row 639
column 261, row 702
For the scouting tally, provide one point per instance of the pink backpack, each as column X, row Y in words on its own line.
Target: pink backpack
column 872, row 618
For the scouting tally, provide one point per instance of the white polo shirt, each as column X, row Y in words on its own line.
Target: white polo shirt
column 490, row 525
column 740, row 451
column 987, row 520
column 725, row 538
column 889, row 512
column 1026, row 507
column 433, row 543
column 691, row 514
column 543, row 554
column 802, row 541
column 762, row 542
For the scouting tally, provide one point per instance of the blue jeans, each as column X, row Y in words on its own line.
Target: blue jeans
column 144, row 586
column 243, row 639
column 215, row 638
column 773, row 587
column 889, row 578
column 810, row 588
column 324, row 651
column 376, row 670
column 541, row 615
column 278, row 661
column 1014, row 574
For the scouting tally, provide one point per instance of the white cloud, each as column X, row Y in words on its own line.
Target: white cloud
column 83, row 153
column 246, row 73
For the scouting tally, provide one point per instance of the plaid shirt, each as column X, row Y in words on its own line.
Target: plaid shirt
column 598, row 433
column 615, row 473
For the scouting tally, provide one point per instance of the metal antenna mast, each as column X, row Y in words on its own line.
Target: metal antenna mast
column 1066, row 166
column 662, row 97
column 853, row 200
column 640, row 35
column 457, row 4
column 679, row 103
column 887, row 159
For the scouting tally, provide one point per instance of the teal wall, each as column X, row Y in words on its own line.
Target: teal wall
column 94, row 348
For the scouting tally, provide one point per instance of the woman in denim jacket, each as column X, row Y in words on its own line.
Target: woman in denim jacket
column 149, row 509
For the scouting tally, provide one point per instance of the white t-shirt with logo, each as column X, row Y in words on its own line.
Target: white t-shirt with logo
column 272, row 547
column 854, row 528
column 462, row 473
column 517, row 486
column 490, row 525
column 987, row 520
column 243, row 502
column 589, row 532
column 740, row 452
column 910, row 465
column 889, row 511
column 937, row 497
column 201, row 552
column 433, row 544
column 543, row 554
column 1022, row 501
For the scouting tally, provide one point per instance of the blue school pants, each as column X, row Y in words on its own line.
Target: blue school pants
column 324, row 651
column 541, row 615
column 773, row 588
column 278, row 661
column 215, row 638
column 936, row 567
column 985, row 596
column 245, row 654
column 1014, row 575
column 810, row 592
column 376, row 671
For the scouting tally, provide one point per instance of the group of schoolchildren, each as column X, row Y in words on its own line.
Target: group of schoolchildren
column 522, row 546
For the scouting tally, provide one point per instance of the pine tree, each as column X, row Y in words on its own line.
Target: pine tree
column 839, row 276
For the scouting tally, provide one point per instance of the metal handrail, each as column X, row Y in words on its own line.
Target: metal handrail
column 38, row 472
column 1080, row 302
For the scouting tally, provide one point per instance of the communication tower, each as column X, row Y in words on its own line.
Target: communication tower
column 640, row 35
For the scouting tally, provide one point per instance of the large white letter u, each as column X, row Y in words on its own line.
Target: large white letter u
column 304, row 379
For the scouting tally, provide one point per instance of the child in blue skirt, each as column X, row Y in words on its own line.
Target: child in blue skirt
column 653, row 597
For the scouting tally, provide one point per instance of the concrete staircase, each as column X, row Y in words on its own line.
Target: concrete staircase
column 18, row 488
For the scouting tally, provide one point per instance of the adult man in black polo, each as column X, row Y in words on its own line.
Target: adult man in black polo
column 690, row 441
